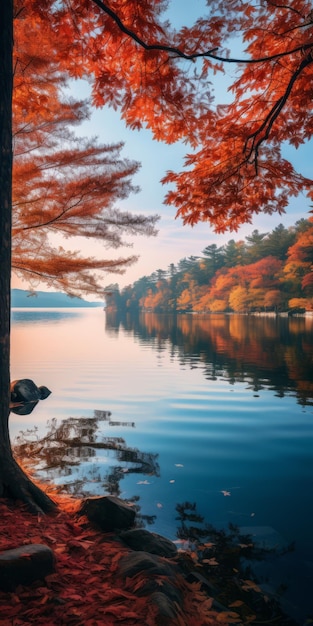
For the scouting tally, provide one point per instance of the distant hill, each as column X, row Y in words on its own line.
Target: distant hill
column 21, row 298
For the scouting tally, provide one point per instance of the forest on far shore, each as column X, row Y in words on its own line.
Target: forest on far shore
column 265, row 272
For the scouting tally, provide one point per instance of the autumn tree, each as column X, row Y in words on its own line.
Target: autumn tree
column 238, row 169
column 62, row 183
column 273, row 299
column 239, row 299
column 139, row 289
column 299, row 268
column 186, row 299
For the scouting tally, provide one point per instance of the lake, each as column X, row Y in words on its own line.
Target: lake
column 215, row 410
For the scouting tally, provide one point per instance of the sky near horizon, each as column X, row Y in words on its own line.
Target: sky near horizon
column 174, row 241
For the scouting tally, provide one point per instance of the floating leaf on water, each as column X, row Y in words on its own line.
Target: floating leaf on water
column 228, row 617
column 249, row 585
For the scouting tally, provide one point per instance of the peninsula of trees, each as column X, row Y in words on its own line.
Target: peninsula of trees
column 265, row 272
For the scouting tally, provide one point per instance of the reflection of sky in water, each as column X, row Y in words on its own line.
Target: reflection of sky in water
column 24, row 316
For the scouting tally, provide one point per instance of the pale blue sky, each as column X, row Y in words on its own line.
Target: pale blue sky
column 174, row 240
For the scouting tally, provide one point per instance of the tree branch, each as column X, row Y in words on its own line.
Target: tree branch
column 257, row 138
column 195, row 55
column 284, row 6
column 142, row 43
column 54, row 219
column 254, row 140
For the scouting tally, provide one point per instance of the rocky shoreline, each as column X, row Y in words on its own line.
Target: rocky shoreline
column 145, row 567
column 91, row 565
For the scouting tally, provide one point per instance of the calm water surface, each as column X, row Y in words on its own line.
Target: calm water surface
column 216, row 410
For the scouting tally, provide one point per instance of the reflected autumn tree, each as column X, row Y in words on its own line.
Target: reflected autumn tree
column 81, row 459
column 263, row 351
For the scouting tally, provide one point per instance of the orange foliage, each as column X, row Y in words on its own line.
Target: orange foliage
column 264, row 273
column 184, row 302
column 62, row 183
column 272, row 298
column 301, row 303
column 85, row 588
column 300, row 260
column 239, row 298
column 134, row 60
column 218, row 305
column 243, row 287
column 243, row 339
column 239, row 170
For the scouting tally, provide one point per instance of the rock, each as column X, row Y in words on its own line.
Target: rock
column 25, row 390
column 108, row 513
column 25, row 395
column 168, row 588
column 153, row 569
column 23, row 408
column 21, row 566
column 149, row 564
column 141, row 539
column 166, row 607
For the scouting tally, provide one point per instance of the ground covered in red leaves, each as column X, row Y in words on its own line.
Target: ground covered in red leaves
column 86, row 588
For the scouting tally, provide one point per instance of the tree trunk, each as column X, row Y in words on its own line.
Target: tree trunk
column 13, row 481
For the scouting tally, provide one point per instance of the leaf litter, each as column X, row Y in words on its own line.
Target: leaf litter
column 86, row 588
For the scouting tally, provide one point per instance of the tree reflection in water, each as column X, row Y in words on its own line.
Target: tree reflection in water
column 76, row 456
column 267, row 352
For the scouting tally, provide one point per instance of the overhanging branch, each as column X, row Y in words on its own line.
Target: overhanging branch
column 254, row 140
column 195, row 55
column 141, row 42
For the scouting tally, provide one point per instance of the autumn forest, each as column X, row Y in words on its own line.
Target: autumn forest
column 267, row 272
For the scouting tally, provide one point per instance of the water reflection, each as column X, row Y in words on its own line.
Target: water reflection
column 266, row 352
column 224, row 563
column 77, row 455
